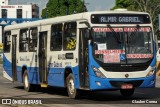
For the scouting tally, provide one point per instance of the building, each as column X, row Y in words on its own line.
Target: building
column 16, row 12
column 3, row 2
column 35, row 11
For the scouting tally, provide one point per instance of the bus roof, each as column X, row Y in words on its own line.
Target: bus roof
column 61, row 19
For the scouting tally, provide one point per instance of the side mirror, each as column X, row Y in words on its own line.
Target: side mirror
column 158, row 55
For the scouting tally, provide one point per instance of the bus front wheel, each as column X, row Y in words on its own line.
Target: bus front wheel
column 27, row 86
column 72, row 92
column 127, row 92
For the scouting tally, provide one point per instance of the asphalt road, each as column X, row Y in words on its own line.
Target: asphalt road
column 57, row 97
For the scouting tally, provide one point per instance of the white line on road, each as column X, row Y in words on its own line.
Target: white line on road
column 6, row 82
column 139, row 93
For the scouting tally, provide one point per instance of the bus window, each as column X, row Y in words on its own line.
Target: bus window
column 69, row 39
column 23, row 40
column 33, row 39
column 7, row 41
column 56, row 37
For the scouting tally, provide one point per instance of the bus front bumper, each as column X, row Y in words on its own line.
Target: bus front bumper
column 116, row 83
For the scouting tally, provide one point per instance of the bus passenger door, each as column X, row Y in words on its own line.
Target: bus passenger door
column 43, row 58
column 14, row 59
column 83, row 59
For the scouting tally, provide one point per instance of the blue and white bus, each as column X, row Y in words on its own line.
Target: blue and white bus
column 102, row 50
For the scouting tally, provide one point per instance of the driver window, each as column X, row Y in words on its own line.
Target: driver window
column 137, row 40
column 69, row 38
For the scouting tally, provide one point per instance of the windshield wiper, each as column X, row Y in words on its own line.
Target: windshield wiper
column 115, row 34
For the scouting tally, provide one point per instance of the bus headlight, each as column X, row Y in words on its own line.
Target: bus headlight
column 97, row 72
column 150, row 73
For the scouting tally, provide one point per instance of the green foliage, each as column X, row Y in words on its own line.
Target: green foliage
column 58, row 8
column 150, row 6
column 122, row 4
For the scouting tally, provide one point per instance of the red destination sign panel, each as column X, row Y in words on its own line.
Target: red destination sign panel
column 129, row 29
column 139, row 55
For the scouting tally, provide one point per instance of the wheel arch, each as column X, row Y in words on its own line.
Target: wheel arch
column 67, row 71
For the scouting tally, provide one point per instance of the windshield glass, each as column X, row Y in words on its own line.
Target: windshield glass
column 122, row 45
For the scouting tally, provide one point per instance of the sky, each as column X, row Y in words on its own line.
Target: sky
column 92, row 5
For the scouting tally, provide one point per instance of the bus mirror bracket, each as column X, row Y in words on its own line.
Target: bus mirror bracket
column 85, row 24
column 158, row 55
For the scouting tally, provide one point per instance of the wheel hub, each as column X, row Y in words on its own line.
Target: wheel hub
column 71, row 86
column 26, row 81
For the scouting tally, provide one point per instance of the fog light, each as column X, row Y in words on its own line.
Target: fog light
column 150, row 73
column 98, row 73
column 98, row 83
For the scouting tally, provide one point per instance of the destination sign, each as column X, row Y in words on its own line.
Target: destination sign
column 120, row 19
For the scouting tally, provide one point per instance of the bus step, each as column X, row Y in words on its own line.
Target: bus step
column 44, row 85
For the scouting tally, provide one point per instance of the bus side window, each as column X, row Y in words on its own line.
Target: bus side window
column 69, row 38
column 23, row 40
column 56, row 37
column 7, row 41
column 33, row 39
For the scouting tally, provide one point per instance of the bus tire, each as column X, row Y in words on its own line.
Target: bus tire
column 127, row 92
column 27, row 86
column 72, row 92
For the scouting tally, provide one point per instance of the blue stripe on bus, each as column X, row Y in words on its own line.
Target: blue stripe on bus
column 55, row 75
column 153, row 63
column 7, row 66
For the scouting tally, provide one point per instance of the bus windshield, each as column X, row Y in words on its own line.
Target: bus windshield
column 122, row 45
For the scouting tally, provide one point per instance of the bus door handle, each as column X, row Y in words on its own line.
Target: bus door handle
column 17, row 61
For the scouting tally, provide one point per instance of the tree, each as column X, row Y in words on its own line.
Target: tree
column 122, row 4
column 150, row 6
column 62, row 7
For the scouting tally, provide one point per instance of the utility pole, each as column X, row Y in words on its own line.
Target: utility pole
column 47, row 13
column 75, row 7
column 66, row 3
column 84, row 6
column 58, row 9
column 159, row 21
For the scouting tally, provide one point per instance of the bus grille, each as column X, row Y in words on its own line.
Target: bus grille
column 118, row 84
column 125, row 68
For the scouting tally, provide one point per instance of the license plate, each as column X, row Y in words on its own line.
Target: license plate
column 127, row 86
